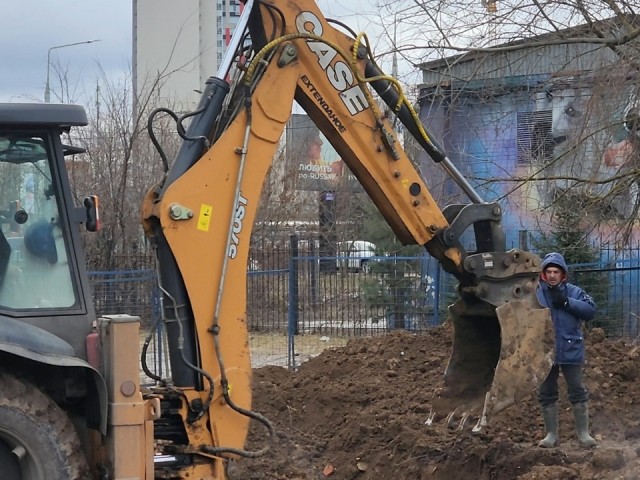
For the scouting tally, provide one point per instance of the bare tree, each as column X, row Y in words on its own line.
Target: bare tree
column 121, row 163
column 120, row 166
column 537, row 101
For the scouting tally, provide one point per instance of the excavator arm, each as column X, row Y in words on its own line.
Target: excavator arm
column 200, row 218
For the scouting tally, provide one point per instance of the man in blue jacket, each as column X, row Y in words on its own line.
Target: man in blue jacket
column 569, row 306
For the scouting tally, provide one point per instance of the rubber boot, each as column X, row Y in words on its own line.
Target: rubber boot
column 550, row 417
column 581, row 417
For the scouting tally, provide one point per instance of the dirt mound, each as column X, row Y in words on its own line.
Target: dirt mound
column 358, row 412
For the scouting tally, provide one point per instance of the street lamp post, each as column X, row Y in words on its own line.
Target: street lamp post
column 47, row 90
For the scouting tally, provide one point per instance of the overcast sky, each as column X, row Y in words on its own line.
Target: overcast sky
column 31, row 27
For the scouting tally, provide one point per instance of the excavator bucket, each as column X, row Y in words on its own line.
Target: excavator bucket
column 499, row 356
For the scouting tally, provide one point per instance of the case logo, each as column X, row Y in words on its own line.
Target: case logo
column 338, row 73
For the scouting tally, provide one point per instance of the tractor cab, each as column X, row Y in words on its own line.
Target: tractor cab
column 42, row 277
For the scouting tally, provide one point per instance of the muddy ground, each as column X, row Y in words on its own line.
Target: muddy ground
column 359, row 411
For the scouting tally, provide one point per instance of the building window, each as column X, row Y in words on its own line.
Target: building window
column 534, row 137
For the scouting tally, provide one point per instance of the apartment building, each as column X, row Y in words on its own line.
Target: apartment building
column 177, row 45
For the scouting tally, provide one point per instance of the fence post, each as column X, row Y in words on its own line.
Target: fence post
column 292, row 311
column 313, row 271
column 436, row 298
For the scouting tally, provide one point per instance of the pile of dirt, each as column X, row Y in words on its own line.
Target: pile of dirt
column 358, row 412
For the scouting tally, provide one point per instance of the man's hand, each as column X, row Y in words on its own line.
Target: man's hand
column 558, row 297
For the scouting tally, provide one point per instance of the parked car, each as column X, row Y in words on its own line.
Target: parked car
column 354, row 255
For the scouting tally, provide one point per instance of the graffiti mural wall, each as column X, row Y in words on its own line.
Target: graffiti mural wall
column 571, row 141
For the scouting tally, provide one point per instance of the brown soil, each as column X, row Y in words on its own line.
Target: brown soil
column 358, row 412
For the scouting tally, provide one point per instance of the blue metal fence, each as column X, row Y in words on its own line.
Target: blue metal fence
column 294, row 295
column 615, row 287
column 132, row 292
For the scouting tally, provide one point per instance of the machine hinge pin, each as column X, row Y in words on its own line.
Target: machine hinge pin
column 179, row 212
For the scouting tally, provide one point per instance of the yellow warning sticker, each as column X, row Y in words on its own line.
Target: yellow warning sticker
column 204, row 219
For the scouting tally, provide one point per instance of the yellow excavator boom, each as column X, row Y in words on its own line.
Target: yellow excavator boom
column 200, row 219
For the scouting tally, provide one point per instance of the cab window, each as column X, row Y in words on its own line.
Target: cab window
column 34, row 267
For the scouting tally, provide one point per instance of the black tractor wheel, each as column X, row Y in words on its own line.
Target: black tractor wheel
column 37, row 439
